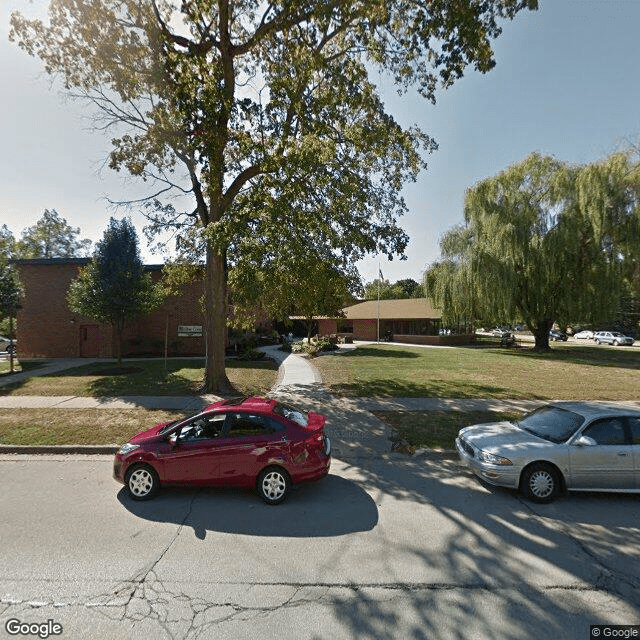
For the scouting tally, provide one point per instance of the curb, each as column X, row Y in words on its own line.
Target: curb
column 82, row 449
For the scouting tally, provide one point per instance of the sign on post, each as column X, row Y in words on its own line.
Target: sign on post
column 189, row 331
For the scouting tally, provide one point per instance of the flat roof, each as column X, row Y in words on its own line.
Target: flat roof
column 58, row 261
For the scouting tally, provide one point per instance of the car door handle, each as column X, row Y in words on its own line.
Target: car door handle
column 621, row 453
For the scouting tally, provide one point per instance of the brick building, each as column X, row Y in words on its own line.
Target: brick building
column 412, row 320
column 46, row 327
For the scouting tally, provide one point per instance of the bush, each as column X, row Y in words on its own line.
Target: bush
column 251, row 354
column 327, row 344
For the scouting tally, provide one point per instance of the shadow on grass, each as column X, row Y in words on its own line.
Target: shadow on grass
column 589, row 356
column 393, row 388
column 383, row 351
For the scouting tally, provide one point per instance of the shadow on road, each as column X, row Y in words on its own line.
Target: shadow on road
column 534, row 568
column 333, row 506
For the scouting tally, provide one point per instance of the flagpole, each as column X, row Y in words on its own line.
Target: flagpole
column 379, row 278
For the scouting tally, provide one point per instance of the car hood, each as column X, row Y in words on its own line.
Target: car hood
column 501, row 436
column 149, row 435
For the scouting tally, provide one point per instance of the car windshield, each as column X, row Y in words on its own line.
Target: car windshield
column 551, row 423
column 170, row 425
column 291, row 413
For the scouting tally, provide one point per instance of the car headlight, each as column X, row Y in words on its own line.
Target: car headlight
column 490, row 458
column 128, row 448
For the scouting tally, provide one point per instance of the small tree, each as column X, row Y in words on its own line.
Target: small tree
column 297, row 277
column 10, row 293
column 114, row 287
column 51, row 237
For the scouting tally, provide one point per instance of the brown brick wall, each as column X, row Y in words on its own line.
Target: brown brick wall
column 46, row 327
column 326, row 327
column 366, row 329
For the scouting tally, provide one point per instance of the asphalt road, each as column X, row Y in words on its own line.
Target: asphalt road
column 385, row 547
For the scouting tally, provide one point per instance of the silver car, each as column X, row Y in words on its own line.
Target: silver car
column 611, row 337
column 7, row 345
column 588, row 446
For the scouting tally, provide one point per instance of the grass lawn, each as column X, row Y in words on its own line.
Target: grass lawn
column 434, row 429
column 19, row 366
column 77, row 426
column 145, row 378
column 567, row 372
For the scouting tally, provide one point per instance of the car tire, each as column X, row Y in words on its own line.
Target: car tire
column 597, row 341
column 615, row 343
column 540, row 483
column 142, row 481
column 273, row 485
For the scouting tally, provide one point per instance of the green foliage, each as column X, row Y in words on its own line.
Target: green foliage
column 281, row 283
column 10, row 291
column 51, row 237
column 407, row 288
column 268, row 110
column 7, row 244
column 543, row 242
column 114, row 287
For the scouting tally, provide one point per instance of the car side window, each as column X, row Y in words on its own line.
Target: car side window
column 608, row 432
column 634, row 424
column 202, row 428
column 245, row 424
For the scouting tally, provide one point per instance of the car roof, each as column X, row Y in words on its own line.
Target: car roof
column 244, row 403
column 590, row 410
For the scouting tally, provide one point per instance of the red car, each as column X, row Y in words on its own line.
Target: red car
column 241, row 442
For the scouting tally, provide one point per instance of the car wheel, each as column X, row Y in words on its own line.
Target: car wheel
column 597, row 341
column 540, row 483
column 142, row 482
column 273, row 485
column 615, row 343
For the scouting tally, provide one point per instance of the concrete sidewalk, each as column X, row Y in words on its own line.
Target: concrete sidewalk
column 354, row 430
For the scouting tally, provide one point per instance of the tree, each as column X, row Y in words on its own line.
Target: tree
column 383, row 289
column 262, row 115
column 7, row 244
column 449, row 282
column 410, row 288
column 51, row 237
column 10, row 294
column 114, row 287
column 308, row 284
column 543, row 242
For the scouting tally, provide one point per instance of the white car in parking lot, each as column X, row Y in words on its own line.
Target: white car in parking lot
column 584, row 335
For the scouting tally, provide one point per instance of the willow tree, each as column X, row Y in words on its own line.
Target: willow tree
column 262, row 114
column 544, row 242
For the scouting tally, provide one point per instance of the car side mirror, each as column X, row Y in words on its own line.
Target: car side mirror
column 585, row 441
column 173, row 439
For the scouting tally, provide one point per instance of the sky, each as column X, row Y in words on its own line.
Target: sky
column 565, row 84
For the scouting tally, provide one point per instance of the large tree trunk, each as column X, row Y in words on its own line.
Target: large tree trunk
column 215, row 380
column 541, row 333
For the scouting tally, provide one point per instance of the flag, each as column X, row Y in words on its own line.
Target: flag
column 380, row 276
